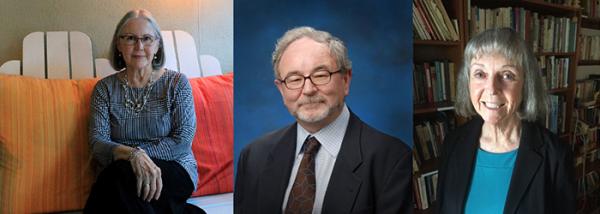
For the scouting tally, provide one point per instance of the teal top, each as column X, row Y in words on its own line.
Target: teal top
column 490, row 182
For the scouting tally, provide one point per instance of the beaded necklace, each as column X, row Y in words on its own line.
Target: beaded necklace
column 139, row 102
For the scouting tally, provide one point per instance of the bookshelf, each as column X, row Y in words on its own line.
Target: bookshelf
column 433, row 117
column 559, row 58
column 586, row 115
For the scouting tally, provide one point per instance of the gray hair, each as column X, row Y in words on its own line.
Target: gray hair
column 116, row 60
column 508, row 43
column 336, row 46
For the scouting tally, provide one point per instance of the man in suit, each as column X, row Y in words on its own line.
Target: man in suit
column 329, row 161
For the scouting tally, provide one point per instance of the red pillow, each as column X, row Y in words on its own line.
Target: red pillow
column 213, row 141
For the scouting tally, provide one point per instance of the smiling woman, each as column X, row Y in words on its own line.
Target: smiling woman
column 141, row 127
column 513, row 164
column 495, row 87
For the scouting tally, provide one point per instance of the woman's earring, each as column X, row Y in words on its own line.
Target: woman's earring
column 155, row 59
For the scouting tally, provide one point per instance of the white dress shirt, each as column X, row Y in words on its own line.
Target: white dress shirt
column 330, row 137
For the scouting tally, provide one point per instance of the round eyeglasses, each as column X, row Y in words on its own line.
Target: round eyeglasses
column 130, row 39
column 296, row 81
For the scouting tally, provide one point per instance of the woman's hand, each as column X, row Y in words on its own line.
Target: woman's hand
column 148, row 176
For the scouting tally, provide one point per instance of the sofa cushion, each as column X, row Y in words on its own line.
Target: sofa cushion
column 213, row 142
column 44, row 156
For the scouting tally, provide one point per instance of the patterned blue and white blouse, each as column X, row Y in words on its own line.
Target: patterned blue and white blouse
column 164, row 128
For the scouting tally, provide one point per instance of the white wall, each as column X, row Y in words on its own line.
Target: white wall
column 210, row 22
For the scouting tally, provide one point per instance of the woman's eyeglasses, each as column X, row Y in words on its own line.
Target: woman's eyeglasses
column 130, row 39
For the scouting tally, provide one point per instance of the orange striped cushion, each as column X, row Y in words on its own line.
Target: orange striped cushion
column 213, row 142
column 44, row 157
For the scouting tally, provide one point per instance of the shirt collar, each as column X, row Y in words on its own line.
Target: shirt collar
column 330, row 136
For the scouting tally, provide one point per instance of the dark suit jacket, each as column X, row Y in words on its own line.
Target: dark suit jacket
column 372, row 173
column 542, row 180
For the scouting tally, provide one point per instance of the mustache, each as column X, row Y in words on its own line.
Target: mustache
column 310, row 100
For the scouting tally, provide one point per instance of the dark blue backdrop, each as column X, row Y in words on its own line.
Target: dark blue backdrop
column 378, row 35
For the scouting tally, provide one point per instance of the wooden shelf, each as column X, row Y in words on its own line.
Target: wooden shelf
column 591, row 128
column 596, row 105
column 431, row 108
column 567, row 54
column 589, row 62
column 436, row 42
column 534, row 5
column 593, row 23
column 558, row 90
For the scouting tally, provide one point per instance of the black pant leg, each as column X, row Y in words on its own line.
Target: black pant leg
column 115, row 190
column 177, row 188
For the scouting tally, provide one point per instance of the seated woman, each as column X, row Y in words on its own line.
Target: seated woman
column 141, row 127
column 502, row 161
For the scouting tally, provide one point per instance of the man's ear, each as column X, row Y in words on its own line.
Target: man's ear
column 347, row 79
column 280, row 86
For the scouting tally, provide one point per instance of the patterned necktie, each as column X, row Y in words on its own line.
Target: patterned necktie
column 302, row 196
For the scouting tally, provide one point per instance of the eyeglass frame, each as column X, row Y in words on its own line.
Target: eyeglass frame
column 139, row 39
column 331, row 73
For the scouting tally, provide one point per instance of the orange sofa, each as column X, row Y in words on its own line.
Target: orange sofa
column 45, row 163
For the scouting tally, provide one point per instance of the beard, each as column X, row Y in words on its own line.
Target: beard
column 318, row 111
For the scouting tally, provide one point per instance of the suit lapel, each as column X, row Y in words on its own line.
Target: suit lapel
column 344, row 185
column 274, row 179
column 464, row 164
column 526, row 166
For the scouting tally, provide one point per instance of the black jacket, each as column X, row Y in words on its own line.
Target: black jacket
column 372, row 173
column 543, row 179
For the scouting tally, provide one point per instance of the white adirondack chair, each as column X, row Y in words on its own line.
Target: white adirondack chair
column 68, row 55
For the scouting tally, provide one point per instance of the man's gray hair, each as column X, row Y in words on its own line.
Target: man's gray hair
column 116, row 58
column 505, row 42
column 336, row 46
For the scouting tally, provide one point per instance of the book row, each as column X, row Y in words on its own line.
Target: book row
column 434, row 82
column 589, row 48
column 588, row 116
column 591, row 8
column 556, row 118
column 425, row 189
column 587, row 92
column 429, row 135
column 588, row 183
column 546, row 34
column 570, row 3
column 555, row 71
column 431, row 21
